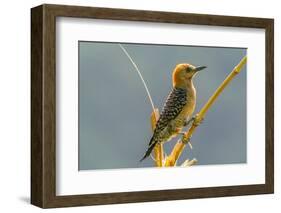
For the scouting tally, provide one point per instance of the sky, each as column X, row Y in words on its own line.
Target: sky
column 114, row 109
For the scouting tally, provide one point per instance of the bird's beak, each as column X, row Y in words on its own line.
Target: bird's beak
column 200, row 68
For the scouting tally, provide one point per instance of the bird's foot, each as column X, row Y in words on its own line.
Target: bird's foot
column 182, row 134
column 185, row 139
column 198, row 121
column 195, row 119
column 187, row 122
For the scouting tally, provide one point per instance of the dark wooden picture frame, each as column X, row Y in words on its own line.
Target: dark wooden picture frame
column 43, row 105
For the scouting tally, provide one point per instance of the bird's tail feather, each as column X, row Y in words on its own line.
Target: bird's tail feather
column 149, row 150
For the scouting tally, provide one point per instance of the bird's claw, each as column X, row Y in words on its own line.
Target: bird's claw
column 185, row 139
column 187, row 122
column 197, row 121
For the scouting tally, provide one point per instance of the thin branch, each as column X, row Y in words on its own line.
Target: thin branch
column 179, row 146
column 158, row 150
column 140, row 75
column 188, row 162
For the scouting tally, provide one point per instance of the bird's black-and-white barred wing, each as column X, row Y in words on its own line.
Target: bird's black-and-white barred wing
column 174, row 104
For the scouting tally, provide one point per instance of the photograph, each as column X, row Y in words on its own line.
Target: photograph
column 137, row 102
column 131, row 105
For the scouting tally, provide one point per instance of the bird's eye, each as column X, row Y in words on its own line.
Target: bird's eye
column 188, row 69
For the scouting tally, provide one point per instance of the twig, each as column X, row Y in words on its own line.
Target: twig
column 140, row 75
column 188, row 162
column 179, row 146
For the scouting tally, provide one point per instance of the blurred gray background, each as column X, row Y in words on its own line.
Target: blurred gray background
column 114, row 110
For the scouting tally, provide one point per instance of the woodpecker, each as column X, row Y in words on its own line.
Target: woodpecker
column 178, row 108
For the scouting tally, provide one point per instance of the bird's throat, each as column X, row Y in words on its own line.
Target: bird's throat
column 184, row 84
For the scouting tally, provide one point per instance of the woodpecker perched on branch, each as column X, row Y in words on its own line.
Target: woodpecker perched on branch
column 178, row 108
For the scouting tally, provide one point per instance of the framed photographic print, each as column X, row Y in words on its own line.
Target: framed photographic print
column 135, row 106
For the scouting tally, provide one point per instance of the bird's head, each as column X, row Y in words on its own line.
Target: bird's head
column 183, row 73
